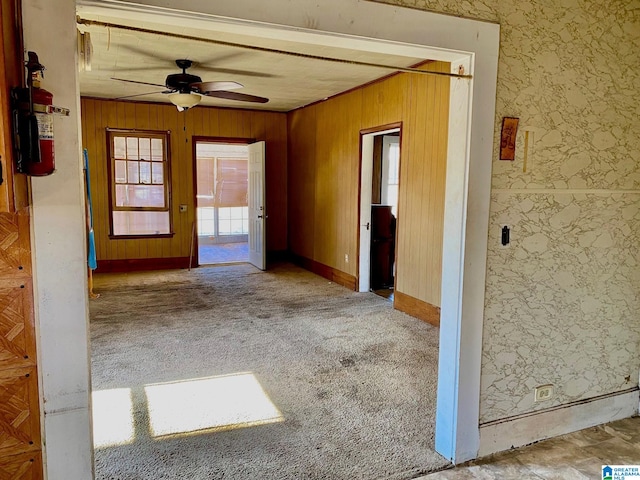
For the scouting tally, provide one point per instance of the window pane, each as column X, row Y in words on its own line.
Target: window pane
column 121, row 171
column 146, row 196
column 157, row 172
column 224, row 213
column 140, row 223
column 139, row 196
column 145, row 149
column 394, row 156
column 224, row 227
column 132, row 148
column 122, row 199
column 206, row 227
column 392, row 198
column 236, row 227
column 206, row 224
column 145, row 172
column 119, row 147
column 236, row 213
column 156, row 150
column 132, row 170
column 205, row 213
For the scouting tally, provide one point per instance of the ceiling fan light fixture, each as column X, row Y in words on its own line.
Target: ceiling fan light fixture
column 184, row 101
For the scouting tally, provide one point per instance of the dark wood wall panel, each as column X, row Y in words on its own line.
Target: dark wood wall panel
column 301, row 179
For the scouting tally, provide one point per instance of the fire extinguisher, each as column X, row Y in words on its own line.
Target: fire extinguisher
column 32, row 109
column 42, row 103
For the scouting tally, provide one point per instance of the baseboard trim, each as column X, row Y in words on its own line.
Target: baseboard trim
column 278, row 256
column 525, row 429
column 416, row 308
column 137, row 264
column 330, row 273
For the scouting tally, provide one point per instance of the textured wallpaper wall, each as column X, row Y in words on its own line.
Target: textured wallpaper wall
column 563, row 300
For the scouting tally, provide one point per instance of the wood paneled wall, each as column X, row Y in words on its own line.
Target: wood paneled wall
column 324, row 176
column 98, row 115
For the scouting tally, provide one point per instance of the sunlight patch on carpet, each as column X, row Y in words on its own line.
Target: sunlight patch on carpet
column 210, row 404
column 112, row 417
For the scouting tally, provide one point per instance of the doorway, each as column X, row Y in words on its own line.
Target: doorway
column 222, row 206
column 379, row 187
column 468, row 43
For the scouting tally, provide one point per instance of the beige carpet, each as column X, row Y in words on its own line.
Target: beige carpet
column 229, row 372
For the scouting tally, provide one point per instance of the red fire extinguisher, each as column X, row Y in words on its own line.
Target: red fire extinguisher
column 42, row 103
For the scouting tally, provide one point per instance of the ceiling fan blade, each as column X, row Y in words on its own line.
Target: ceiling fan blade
column 170, row 61
column 140, row 83
column 147, row 53
column 136, row 95
column 241, row 97
column 204, row 87
column 148, row 68
column 233, row 71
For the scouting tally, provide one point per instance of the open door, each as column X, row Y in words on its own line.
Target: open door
column 387, row 193
column 366, row 177
column 257, row 214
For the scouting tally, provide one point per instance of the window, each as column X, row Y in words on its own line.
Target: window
column 139, row 183
column 390, row 171
column 233, row 221
column 222, row 179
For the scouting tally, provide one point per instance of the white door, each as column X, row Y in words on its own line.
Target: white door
column 366, row 178
column 257, row 214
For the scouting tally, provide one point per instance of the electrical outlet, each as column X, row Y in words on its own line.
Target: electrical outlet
column 346, row 258
column 543, row 393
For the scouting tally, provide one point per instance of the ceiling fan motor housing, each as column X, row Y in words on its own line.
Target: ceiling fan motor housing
column 181, row 82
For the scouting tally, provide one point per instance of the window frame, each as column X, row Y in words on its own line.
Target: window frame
column 164, row 135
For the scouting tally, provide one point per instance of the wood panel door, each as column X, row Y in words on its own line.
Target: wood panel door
column 20, row 443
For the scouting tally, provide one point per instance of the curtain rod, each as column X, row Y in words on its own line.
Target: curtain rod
column 86, row 22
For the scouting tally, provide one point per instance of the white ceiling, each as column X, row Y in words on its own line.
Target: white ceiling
column 288, row 81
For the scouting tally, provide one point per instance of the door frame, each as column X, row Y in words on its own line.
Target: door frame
column 195, row 139
column 470, row 44
column 363, row 247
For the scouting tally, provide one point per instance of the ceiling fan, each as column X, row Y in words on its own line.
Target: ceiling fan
column 185, row 90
